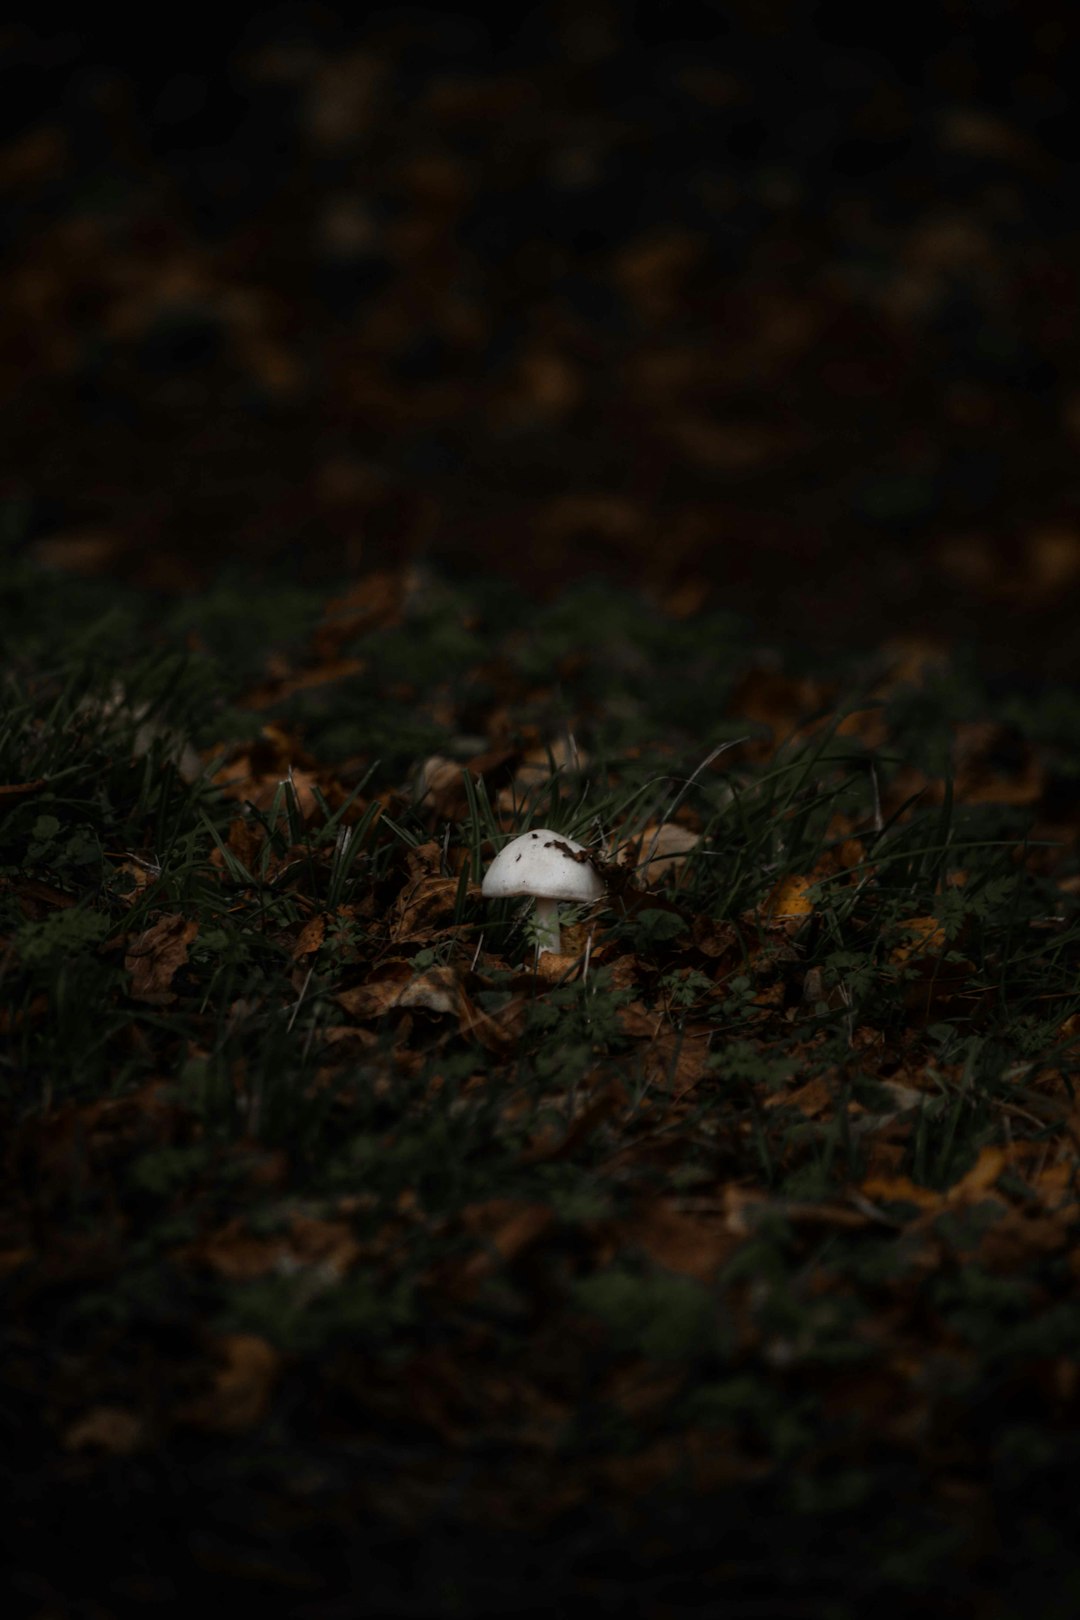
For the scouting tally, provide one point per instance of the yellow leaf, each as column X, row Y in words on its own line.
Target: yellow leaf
column 926, row 938
column 789, row 898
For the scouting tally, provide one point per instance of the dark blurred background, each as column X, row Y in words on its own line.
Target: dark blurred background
column 762, row 303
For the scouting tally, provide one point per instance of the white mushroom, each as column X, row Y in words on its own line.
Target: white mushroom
column 548, row 866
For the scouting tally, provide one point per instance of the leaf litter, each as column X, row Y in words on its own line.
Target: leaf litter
column 795, row 1101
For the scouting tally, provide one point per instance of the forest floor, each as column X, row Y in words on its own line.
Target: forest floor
column 348, row 1249
column 415, row 429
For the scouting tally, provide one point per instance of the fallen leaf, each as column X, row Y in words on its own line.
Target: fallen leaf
column 981, row 1177
column 12, row 1259
column 508, row 1228
column 156, row 956
column 688, row 1244
column 495, row 1031
column 538, row 765
column 435, row 990
column 900, row 1190
column 18, row 790
column 310, row 937
column 813, row 1099
column 995, row 765
column 288, row 684
column 675, row 1061
column 789, row 898
column 925, row 937
column 112, row 1429
column 658, row 851
column 239, row 1255
column 555, row 1144
column 374, row 600
column 426, row 906
column 243, row 1384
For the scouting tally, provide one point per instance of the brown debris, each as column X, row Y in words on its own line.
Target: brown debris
column 243, row 1383
column 111, row 1429
column 154, row 958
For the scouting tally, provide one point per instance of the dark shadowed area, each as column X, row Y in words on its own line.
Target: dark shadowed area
column 651, row 430
column 751, row 303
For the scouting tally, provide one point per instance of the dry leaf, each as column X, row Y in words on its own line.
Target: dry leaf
column 111, row 1429
column 243, row 1385
column 675, row 1060
column 900, row 1190
column 789, row 898
column 981, row 1177
column 13, row 1259
column 658, row 851
column 508, row 1228
column 926, row 937
column 436, row 990
column 538, row 765
column 288, row 684
column 554, row 1144
column 239, row 1255
column 310, row 937
column 689, row 1244
column 427, row 906
column 155, row 957
column 18, row 790
column 812, row 1099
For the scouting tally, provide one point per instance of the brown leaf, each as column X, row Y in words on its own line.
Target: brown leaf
column 688, row 1244
column 495, row 1031
column 425, row 906
column 80, row 551
column 310, row 937
column 812, row 1099
column 925, row 937
column 675, row 1060
column 790, row 898
column 286, row 685
column 435, row 990
column 981, row 1177
column 238, row 1255
column 709, row 1460
column 244, row 840
column 439, row 787
column 636, row 1019
column 995, row 765
column 745, row 1209
column 780, row 701
column 18, row 790
column 374, row 600
column 256, row 773
column 658, row 851
column 561, row 756
column 13, row 1259
column 112, row 1429
column 328, row 1244
column 900, row 1190
column 33, row 157
column 508, row 1228
column 716, row 938
column 156, row 955
column 243, row 1385
column 378, row 993
column 550, row 1145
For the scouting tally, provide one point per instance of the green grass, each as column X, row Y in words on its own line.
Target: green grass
column 682, row 1236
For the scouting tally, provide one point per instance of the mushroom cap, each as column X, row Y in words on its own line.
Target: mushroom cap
column 545, row 864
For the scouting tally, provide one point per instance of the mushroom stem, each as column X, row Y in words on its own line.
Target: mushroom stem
column 548, row 937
